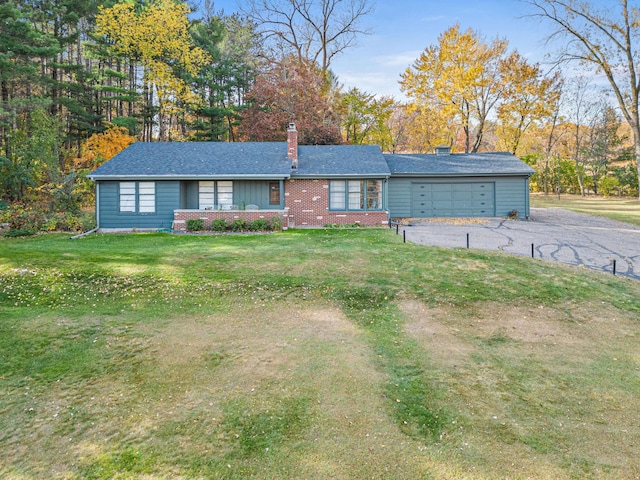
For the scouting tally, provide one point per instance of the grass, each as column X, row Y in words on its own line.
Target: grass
column 310, row 354
column 622, row 209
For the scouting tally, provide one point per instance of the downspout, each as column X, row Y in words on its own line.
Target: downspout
column 84, row 234
column 282, row 194
column 528, row 200
column 385, row 198
column 97, row 205
column 283, row 205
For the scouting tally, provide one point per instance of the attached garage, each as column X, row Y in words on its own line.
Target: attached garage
column 473, row 199
column 457, row 185
column 314, row 184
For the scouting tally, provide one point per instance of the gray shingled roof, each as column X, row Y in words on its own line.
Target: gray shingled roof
column 197, row 160
column 340, row 161
column 457, row 164
column 268, row 160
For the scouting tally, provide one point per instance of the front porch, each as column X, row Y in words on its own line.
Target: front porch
column 305, row 218
column 181, row 216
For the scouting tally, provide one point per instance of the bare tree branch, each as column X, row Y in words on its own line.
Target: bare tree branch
column 315, row 30
column 605, row 40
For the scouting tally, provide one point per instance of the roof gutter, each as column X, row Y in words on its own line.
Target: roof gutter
column 340, row 175
column 103, row 178
column 469, row 174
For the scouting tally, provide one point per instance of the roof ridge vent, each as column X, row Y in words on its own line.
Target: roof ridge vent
column 443, row 150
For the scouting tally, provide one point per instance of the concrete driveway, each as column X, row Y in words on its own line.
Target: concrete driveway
column 556, row 235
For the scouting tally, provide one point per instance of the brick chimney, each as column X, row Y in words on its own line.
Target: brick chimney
column 292, row 145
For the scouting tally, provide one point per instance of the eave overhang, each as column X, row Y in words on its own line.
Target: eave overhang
column 295, row 176
column 460, row 175
column 150, row 178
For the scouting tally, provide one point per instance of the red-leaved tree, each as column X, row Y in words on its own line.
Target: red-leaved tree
column 292, row 91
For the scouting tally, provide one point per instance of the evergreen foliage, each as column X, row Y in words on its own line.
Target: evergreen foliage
column 80, row 81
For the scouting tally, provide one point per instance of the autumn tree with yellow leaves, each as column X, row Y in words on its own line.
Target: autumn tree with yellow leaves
column 365, row 118
column 457, row 79
column 528, row 97
column 460, row 82
column 158, row 38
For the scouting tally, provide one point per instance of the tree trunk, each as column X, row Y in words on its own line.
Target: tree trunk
column 576, row 159
column 132, row 86
column 479, row 136
column 580, row 178
column 466, row 127
column 637, row 145
column 4, row 138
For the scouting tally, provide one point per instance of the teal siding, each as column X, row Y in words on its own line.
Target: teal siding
column 244, row 193
column 254, row 193
column 455, row 196
column 514, row 195
column 109, row 215
column 469, row 199
column 399, row 197
column 189, row 194
column 172, row 195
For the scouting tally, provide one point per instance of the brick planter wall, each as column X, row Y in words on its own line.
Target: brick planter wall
column 180, row 217
column 308, row 202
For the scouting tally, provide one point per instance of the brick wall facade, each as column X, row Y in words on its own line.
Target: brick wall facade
column 308, row 202
column 180, row 217
column 307, row 205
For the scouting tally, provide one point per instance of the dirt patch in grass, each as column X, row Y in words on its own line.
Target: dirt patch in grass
column 575, row 326
column 535, row 325
column 556, row 388
column 257, row 360
column 254, row 389
column 436, row 330
column 451, row 335
column 222, row 338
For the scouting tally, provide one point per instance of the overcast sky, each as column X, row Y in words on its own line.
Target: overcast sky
column 402, row 29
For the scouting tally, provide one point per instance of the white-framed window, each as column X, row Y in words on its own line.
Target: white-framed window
column 355, row 194
column 337, row 190
column 225, row 193
column 146, row 197
column 137, row 197
column 206, row 195
column 213, row 194
column 128, row 197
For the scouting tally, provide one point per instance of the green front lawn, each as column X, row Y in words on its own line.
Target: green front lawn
column 617, row 208
column 310, row 354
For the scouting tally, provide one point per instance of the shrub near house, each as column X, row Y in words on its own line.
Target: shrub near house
column 238, row 225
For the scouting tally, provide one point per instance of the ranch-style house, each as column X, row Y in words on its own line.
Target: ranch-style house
column 158, row 186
